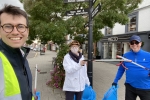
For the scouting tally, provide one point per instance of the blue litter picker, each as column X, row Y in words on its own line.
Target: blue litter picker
column 36, row 93
column 111, row 94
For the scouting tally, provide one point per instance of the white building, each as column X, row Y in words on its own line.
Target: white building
column 115, row 41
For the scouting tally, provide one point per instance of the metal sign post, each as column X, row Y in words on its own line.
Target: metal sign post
column 90, row 45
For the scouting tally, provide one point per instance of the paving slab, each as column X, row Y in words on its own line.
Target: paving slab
column 103, row 75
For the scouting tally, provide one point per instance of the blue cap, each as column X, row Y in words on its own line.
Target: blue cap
column 135, row 37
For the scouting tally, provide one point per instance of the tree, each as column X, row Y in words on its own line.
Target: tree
column 47, row 18
column 115, row 11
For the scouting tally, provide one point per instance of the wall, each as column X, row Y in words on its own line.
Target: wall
column 146, row 45
column 118, row 29
column 144, row 19
column 103, row 31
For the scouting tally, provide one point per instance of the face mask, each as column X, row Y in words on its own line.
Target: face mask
column 74, row 49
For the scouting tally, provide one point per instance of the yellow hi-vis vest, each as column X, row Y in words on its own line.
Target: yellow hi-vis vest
column 9, row 85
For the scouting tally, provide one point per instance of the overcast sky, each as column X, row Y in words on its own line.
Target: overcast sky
column 144, row 3
column 17, row 3
column 12, row 2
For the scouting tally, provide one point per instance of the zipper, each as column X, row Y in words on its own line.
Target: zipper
column 135, row 58
column 26, row 77
column 25, row 73
column 79, row 80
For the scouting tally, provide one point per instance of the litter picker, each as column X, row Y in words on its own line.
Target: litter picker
column 107, row 60
column 36, row 93
column 133, row 62
column 121, row 59
column 103, row 60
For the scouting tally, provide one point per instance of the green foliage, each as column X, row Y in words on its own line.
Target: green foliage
column 47, row 22
column 115, row 11
column 21, row 0
column 58, row 75
column 64, row 49
column 97, row 35
column 80, row 39
column 29, row 42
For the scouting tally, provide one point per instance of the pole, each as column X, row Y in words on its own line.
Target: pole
column 35, row 79
column 90, row 45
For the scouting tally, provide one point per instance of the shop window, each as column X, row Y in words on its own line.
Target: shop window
column 108, row 31
column 132, row 26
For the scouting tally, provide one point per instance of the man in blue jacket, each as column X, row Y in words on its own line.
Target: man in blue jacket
column 137, row 81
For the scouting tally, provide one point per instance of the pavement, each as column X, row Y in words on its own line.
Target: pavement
column 103, row 76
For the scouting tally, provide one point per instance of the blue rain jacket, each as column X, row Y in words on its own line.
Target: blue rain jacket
column 136, row 76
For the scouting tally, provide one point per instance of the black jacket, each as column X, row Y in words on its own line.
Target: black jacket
column 21, row 68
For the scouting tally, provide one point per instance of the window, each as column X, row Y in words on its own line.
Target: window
column 132, row 26
column 108, row 31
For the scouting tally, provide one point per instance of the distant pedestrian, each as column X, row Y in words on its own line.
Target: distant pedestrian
column 137, row 79
column 75, row 72
column 15, row 74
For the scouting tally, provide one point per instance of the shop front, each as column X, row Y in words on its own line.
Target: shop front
column 119, row 44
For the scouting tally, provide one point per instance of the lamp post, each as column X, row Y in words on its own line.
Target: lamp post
column 90, row 45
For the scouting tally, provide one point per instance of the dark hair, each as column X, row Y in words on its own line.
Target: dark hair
column 13, row 10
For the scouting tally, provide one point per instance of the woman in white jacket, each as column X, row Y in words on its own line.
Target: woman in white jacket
column 75, row 72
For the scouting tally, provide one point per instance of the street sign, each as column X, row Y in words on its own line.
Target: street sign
column 96, row 10
column 94, row 2
column 77, row 12
column 71, row 1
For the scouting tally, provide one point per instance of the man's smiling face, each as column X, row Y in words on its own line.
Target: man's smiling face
column 15, row 38
column 135, row 45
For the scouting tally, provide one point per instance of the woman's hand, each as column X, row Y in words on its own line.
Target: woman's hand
column 82, row 62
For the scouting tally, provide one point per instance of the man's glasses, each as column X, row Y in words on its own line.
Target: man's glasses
column 134, row 42
column 8, row 28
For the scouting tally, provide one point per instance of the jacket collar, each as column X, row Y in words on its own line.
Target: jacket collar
column 4, row 47
column 137, row 52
